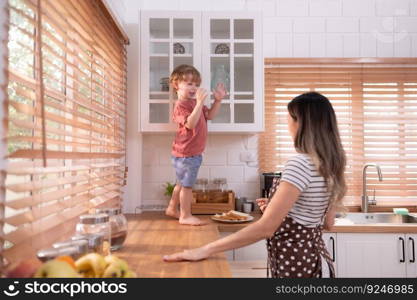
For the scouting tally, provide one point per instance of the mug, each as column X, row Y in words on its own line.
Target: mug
column 247, row 207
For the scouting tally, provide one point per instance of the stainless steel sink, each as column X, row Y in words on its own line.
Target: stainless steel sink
column 370, row 218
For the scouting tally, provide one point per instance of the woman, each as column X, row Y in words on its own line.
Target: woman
column 310, row 192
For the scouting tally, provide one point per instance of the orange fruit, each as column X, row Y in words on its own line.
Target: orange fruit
column 68, row 259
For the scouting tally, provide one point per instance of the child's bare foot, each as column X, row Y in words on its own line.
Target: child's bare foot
column 172, row 212
column 191, row 220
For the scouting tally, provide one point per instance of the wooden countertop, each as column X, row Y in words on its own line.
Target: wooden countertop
column 152, row 235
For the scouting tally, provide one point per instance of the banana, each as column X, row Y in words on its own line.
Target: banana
column 91, row 265
column 130, row 274
column 116, row 267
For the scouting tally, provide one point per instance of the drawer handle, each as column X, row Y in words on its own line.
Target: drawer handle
column 333, row 249
column 412, row 250
column 403, row 250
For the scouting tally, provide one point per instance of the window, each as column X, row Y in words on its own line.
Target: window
column 66, row 120
column 376, row 106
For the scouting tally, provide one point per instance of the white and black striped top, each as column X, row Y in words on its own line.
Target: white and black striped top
column 310, row 206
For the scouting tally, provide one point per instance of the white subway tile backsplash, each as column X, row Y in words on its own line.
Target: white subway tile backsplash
column 251, row 174
column 318, row 45
column 324, row 8
column 350, row 45
column 392, row 8
column 251, row 142
column 377, row 24
column 342, row 24
column 160, row 5
column 268, row 7
column 233, row 158
column 402, row 45
column 251, row 190
column 301, row 45
column 214, row 157
column 284, row 45
column 413, row 8
column 367, row 45
column 357, row 8
column 290, row 8
column 158, row 174
column 277, row 24
column 231, row 173
column 306, row 25
column 269, row 45
column 204, row 171
column 150, row 157
column 154, row 191
column 334, row 45
column 413, row 45
column 231, row 5
column 406, row 24
column 385, row 45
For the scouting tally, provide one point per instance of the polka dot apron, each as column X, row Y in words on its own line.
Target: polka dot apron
column 296, row 250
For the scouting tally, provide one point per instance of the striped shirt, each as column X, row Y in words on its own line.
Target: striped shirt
column 312, row 203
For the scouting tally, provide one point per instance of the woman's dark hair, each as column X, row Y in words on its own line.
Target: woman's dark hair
column 318, row 136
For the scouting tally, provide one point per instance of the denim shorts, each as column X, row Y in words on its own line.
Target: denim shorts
column 186, row 169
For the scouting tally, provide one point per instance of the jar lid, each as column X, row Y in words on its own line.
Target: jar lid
column 111, row 211
column 81, row 245
column 94, row 218
column 47, row 254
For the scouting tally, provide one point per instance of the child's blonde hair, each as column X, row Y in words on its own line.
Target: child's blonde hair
column 180, row 73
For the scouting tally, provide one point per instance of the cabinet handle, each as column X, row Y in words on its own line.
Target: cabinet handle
column 333, row 249
column 412, row 250
column 403, row 250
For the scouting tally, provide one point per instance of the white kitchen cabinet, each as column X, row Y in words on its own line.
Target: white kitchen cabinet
column 371, row 255
column 224, row 47
column 410, row 241
column 330, row 240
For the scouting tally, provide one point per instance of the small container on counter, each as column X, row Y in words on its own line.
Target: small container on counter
column 118, row 225
column 96, row 224
column 95, row 242
column 52, row 253
column 81, row 245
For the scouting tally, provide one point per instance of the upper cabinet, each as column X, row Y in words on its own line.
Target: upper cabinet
column 224, row 47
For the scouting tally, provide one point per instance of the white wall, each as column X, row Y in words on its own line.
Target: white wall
column 292, row 28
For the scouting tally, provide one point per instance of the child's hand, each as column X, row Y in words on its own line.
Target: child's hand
column 262, row 203
column 201, row 95
column 219, row 92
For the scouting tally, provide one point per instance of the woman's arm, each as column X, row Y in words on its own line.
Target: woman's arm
column 278, row 208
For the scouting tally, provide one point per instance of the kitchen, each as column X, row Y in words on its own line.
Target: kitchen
column 281, row 40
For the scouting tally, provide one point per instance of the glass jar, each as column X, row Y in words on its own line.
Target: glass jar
column 223, row 184
column 118, row 225
column 96, row 224
column 95, row 242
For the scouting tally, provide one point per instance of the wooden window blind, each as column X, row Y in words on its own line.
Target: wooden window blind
column 66, row 120
column 376, row 106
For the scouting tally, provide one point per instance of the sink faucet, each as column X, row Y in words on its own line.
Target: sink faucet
column 365, row 198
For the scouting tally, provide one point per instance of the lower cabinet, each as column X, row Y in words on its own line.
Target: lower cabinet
column 355, row 255
column 249, row 261
column 376, row 255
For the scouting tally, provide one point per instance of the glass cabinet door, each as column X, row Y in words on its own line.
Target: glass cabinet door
column 168, row 41
column 231, row 62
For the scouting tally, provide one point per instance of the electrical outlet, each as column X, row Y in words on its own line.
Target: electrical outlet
column 247, row 157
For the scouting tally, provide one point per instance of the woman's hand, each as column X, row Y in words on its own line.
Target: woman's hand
column 191, row 255
column 262, row 203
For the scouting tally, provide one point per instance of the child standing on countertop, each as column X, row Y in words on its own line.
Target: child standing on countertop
column 191, row 116
column 310, row 192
